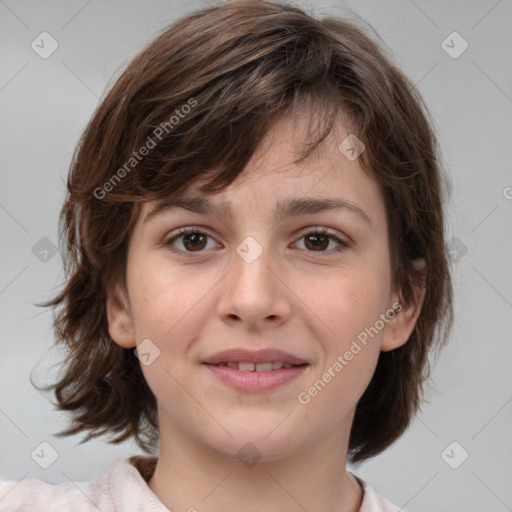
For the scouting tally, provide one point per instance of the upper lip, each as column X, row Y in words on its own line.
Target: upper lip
column 242, row 355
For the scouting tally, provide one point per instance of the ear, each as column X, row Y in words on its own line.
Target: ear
column 120, row 322
column 398, row 330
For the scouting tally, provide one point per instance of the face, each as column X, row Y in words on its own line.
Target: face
column 250, row 279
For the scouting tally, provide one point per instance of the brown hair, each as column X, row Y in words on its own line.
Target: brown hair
column 200, row 97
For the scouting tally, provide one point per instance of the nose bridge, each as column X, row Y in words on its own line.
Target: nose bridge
column 254, row 292
column 252, row 261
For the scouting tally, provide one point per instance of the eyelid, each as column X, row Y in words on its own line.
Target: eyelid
column 342, row 240
column 177, row 233
column 323, row 230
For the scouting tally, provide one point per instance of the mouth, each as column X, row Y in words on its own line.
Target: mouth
column 257, row 367
column 255, row 371
column 262, row 359
column 251, row 380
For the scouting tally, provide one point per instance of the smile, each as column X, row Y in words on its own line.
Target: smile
column 256, row 367
column 255, row 377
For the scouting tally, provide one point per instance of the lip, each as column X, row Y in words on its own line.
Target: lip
column 242, row 355
column 255, row 381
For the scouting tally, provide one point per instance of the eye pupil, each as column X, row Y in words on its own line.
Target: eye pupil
column 317, row 245
column 194, row 237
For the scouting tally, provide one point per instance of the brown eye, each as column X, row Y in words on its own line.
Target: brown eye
column 319, row 241
column 194, row 241
column 191, row 240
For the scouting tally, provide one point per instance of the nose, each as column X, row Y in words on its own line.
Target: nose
column 255, row 293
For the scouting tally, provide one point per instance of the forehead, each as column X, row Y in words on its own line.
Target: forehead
column 274, row 179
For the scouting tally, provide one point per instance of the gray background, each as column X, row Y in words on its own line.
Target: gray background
column 46, row 104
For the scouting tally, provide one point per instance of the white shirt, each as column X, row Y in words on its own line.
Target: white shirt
column 124, row 488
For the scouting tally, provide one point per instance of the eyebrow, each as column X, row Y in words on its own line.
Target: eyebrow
column 288, row 208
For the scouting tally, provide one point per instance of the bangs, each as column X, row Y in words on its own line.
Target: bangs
column 222, row 154
column 209, row 130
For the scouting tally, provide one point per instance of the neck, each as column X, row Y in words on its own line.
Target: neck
column 189, row 476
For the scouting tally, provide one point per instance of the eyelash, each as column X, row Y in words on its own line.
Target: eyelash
column 343, row 244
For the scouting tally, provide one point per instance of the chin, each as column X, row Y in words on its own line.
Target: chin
column 251, row 446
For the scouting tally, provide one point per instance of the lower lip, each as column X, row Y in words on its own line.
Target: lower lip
column 255, row 381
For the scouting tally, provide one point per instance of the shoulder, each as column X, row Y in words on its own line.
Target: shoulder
column 123, row 487
column 372, row 502
column 37, row 495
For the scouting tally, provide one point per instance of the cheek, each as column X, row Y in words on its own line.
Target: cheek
column 169, row 306
column 348, row 306
column 157, row 295
column 348, row 302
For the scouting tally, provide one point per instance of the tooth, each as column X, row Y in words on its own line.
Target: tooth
column 263, row 367
column 259, row 367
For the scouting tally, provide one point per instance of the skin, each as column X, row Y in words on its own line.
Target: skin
column 311, row 302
